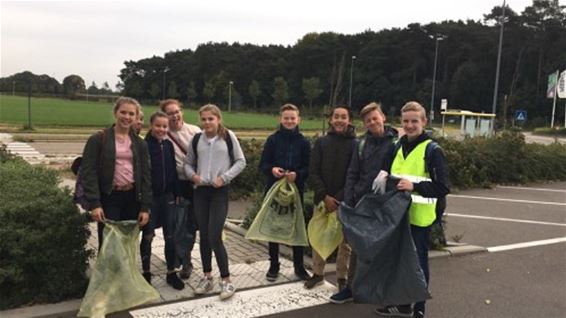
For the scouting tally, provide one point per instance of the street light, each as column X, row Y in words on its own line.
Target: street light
column 230, row 95
column 351, row 80
column 493, row 108
column 436, row 40
column 165, row 70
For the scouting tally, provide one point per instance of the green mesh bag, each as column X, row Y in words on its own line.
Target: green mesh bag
column 116, row 283
column 280, row 218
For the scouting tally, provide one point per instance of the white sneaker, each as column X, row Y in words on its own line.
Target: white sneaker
column 203, row 286
column 227, row 290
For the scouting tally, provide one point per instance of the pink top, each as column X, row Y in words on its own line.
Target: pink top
column 124, row 169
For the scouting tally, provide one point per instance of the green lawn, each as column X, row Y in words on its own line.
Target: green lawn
column 63, row 112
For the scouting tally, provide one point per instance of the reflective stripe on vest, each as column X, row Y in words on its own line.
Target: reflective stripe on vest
column 422, row 211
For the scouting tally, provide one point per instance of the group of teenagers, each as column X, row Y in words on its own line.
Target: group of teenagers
column 127, row 177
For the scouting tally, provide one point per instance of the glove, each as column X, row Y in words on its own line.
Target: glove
column 378, row 185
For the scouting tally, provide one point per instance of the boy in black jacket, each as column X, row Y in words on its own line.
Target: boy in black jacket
column 286, row 154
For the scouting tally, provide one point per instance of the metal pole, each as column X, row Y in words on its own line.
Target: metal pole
column 433, row 82
column 351, row 81
column 230, row 96
column 554, row 100
column 29, row 105
column 13, row 88
column 165, row 70
column 493, row 107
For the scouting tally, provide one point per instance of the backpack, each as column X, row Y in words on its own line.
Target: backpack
column 79, row 196
column 229, row 145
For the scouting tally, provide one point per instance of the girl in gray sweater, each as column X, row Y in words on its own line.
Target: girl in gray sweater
column 214, row 160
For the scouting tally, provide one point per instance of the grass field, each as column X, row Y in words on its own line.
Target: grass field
column 63, row 112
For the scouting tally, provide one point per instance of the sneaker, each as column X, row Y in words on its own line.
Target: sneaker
column 395, row 311
column 174, row 281
column 272, row 273
column 341, row 283
column 342, row 297
column 185, row 272
column 203, row 286
column 418, row 314
column 302, row 274
column 314, row 281
column 147, row 276
column 226, row 290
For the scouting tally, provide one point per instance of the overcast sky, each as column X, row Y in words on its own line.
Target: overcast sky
column 94, row 38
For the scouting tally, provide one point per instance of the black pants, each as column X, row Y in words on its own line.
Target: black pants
column 118, row 206
column 161, row 216
column 187, row 194
column 298, row 252
column 211, row 209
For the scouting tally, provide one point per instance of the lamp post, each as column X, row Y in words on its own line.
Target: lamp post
column 494, row 105
column 13, row 88
column 436, row 40
column 351, row 80
column 230, row 95
column 165, row 70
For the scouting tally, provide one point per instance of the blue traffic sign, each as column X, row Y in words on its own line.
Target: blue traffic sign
column 520, row 115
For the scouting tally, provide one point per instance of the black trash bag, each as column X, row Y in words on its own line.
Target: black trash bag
column 182, row 237
column 388, row 270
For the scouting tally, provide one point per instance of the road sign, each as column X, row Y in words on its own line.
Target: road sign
column 444, row 104
column 520, row 115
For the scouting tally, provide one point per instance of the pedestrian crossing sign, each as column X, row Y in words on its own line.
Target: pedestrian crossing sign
column 521, row 115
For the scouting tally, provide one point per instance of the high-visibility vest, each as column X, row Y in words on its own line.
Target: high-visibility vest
column 422, row 211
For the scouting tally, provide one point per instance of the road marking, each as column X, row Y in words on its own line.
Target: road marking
column 249, row 303
column 503, row 219
column 534, row 189
column 526, row 244
column 506, row 200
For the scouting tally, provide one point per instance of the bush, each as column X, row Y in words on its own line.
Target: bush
column 552, row 132
column 43, row 235
column 251, row 180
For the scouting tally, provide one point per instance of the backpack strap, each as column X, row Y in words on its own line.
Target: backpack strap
column 230, row 145
column 432, row 146
column 177, row 143
column 361, row 145
column 194, row 144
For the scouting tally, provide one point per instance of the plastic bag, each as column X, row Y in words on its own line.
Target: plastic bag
column 325, row 231
column 182, row 238
column 387, row 270
column 280, row 218
column 116, row 283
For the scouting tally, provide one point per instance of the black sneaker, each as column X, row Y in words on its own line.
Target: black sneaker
column 315, row 280
column 395, row 311
column 272, row 273
column 302, row 274
column 418, row 314
column 147, row 276
column 342, row 297
column 185, row 272
column 341, row 283
column 174, row 281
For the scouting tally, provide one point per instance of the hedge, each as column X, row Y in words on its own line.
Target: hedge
column 43, row 237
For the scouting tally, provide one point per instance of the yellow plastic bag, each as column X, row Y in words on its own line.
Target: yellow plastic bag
column 116, row 283
column 280, row 218
column 325, row 231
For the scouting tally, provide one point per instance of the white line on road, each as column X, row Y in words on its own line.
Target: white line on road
column 505, row 200
column 534, row 189
column 469, row 216
column 526, row 244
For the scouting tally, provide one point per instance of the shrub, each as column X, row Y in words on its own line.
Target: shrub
column 553, row 132
column 251, row 179
column 43, row 235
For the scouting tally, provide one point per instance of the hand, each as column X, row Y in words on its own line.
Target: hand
column 219, row 182
column 291, row 176
column 196, row 179
column 277, row 172
column 405, row 185
column 98, row 215
column 331, row 204
column 143, row 218
column 378, row 185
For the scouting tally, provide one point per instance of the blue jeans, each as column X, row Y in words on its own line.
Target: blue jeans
column 160, row 216
column 421, row 237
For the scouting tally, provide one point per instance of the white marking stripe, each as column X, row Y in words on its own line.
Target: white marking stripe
column 526, row 244
column 503, row 219
column 505, row 200
column 249, row 303
column 534, row 189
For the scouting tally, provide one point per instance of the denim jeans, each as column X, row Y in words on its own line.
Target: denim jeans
column 160, row 217
column 187, row 195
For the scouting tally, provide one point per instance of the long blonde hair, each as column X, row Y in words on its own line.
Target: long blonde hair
column 215, row 111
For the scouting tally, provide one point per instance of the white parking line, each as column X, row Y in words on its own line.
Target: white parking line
column 469, row 216
column 505, row 200
column 534, row 189
column 526, row 244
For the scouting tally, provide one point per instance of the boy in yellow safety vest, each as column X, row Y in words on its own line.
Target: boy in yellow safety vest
column 425, row 175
